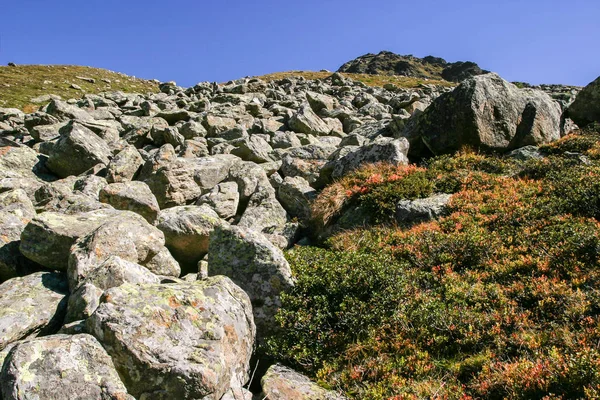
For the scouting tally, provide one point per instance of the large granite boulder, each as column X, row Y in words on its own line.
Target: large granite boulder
column 77, row 150
column 132, row 196
column 256, row 265
column 186, row 230
column 32, row 305
column 486, row 113
column 128, row 236
column 177, row 341
column 586, row 107
column 61, row 367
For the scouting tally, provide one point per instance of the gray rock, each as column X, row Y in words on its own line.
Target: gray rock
column 186, row 230
column 420, row 210
column 216, row 125
column 77, row 150
column 113, row 272
column 48, row 237
column 385, row 150
column 32, row 305
column 124, row 166
column 284, row 140
column 128, row 236
column 306, row 121
column 132, row 196
column 16, row 210
column 487, row 113
column 264, row 213
column 192, row 129
column 65, row 111
column 254, row 149
column 586, row 107
column 223, row 199
column 18, row 162
column 177, row 341
column 320, row 101
column 526, row 153
column 61, row 367
column 296, row 195
column 283, row 383
column 258, row 267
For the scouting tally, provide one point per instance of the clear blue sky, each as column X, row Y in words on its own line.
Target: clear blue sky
column 538, row 41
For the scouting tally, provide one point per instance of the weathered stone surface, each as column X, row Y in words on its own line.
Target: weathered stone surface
column 132, row 196
column 77, row 150
column 186, row 230
column 586, row 107
column 61, row 367
column 253, row 148
column 283, row 383
column 128, row 236
column 18, row 162
column 65, row 111
column 16, row 210
column 113, row 272
column 306, row 121
column 32, row 305
column 223, row 199
column 252, row 262
column 487, row 113
column 182, row 180
column 48, row 237
column 264, row 213
column 383, row 150
column 177, row 341
column 296, row 195
column 419, row 210
column 124, row 166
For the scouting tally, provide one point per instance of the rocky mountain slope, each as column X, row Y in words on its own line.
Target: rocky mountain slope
column 429, row 67
column 143, row 234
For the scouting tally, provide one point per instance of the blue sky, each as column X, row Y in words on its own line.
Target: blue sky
column 538, row 41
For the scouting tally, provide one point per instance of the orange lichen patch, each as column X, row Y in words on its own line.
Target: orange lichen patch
column 174, row 302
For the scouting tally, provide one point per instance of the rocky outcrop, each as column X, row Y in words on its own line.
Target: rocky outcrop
column 388, row 63
column 485, row 113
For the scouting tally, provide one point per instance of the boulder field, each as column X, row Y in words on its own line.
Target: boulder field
column 142, row 235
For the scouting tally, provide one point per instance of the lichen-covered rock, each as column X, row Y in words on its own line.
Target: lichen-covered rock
column 393, row 151
column 186, row 230
column 128, row 236
column 181, row 181
column 48, row 237
column 253, row 148
column 16, row 210
column 254, row 263
column 131, row 196
column 31, row 305
column 419, row 210
column 306, row 121
column 296, row 195
column 124, row 166
column 223, row 199
column 586, row 107
column 264, row 213
column 77, row 150
column 487, row 113
column 282, row 383
column 61, row 367
column 113, row 272
column 18, row 162
column 177, row 341
column 64, row 111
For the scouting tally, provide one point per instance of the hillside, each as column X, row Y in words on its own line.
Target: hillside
column 22, row 84
column 302, row 235
column 388, row 63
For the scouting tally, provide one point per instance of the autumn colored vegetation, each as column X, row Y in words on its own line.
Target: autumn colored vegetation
column 500, row 298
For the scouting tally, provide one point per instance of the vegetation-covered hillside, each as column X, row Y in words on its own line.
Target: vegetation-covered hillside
column 497, row 299
column 20, row 84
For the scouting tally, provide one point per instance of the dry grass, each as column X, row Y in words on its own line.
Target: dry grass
column 20, row 84
column 369, row 80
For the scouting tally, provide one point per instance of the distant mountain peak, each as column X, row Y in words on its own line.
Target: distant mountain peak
column 430, row 67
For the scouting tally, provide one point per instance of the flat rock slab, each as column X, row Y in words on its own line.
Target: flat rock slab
column 61, row 367
column 189, row 340
column 31, row 305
